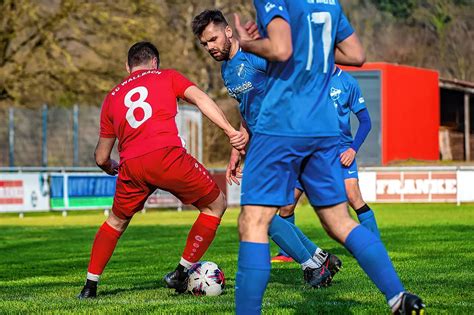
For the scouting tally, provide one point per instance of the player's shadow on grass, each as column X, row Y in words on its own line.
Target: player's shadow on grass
column 320, row 301
column 324, row 300
column 137, row 287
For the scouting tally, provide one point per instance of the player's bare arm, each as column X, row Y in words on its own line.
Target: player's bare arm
column 210, row 109
column 102, row 156
column 232, row 170
column 234, row 167
column 276, row 47
column 350, row 52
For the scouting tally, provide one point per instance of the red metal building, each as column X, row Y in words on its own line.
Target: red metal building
column 404, row 106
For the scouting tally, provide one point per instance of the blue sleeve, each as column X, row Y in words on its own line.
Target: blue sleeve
column 356, row 100
column 364, row 128
column 257, row 62
column 268, row 10
column 344, row 29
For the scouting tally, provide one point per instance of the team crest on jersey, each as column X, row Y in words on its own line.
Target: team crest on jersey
column 269, row 6
column 241, row 71
column 335, row 94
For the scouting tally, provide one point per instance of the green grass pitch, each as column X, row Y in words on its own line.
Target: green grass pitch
column 43, row 261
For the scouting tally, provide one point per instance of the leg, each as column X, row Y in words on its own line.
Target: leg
column 288, row 214
column 363, row 244
column 130, row 196
column 364, row 213
column 365, row 247
column 102, row 249
column 319, row 256
column 193, row 184
column 288, row 211
column 203, row 231
column 272, row 167
column 285, row 235
column 254, row 258
column 104, row 244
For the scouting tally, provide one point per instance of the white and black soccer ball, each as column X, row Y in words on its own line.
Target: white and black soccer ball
column 206, row 278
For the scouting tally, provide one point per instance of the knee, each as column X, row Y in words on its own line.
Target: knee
column 222, row 200
column 217, row 207
column 340, row 230
column 253, row 225
column 117, row 223
column 254, row 220
column 337, row 222
column 287, row 211
column 355, row 199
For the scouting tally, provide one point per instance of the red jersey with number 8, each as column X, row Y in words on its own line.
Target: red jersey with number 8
column 141, row 111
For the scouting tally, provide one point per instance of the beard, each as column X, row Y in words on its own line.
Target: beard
column 222, row 54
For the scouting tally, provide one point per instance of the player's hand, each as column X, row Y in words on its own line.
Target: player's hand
column 238, row 140
column 347, row 157
column 252, row 29
column 234, row 170
column 244, row 35
column 112, row 167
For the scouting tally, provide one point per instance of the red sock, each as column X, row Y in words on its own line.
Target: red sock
column 103, row 248
column 200, row 237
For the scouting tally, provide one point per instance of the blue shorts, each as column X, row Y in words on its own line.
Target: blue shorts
column 274, row 163
column 298, row 185
column 350, row 171
column 347, row 172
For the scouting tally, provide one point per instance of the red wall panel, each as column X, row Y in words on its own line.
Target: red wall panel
column 410, row 112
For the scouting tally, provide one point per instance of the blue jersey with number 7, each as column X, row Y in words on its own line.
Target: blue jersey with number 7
column 295, row 102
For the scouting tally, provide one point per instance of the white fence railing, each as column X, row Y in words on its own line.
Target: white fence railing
column 45, row 189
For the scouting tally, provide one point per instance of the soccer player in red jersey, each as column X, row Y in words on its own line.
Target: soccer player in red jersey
column 140, row 112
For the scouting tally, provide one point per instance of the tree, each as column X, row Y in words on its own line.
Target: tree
column 67, row 51
column 398, row 8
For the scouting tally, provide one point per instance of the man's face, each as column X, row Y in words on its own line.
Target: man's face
column 216, row 40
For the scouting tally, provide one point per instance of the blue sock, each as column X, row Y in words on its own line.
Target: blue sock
column 283, row 234
column 252, row 277
column 308, row 244
column 373, row 258
column 290, row 219
column 367, row 218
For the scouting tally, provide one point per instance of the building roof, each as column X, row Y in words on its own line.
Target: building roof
column 458, row 85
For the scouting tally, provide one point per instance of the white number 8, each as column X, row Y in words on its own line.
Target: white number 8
column 140, row 103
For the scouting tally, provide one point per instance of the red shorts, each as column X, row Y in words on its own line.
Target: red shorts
column 171, row 169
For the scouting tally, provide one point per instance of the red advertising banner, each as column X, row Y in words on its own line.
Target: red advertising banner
column 11, row 192
column 416, row 186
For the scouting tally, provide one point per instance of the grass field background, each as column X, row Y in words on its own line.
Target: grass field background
column 44, row 259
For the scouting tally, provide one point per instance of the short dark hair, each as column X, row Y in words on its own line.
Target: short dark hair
column 203, row 19
column 141, row 53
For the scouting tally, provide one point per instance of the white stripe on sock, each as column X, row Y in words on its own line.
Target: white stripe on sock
column 320, row 255
column 395, row 302
column 93, row 277
column 185, row 263
column 311, row 264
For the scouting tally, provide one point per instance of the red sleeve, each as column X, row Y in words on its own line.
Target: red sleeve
column 180, row 83
column 106, row 125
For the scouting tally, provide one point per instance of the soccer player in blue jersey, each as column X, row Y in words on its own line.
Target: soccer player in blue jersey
column 297, row 137
column 346, row 96
column 244, row 76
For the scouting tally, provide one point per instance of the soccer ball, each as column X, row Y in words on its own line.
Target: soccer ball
column 205, row 278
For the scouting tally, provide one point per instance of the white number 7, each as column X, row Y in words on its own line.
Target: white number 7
column 325, row 19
